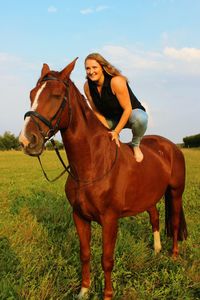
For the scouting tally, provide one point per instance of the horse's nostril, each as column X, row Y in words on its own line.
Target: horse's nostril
column 34, row 140
column 24, row 142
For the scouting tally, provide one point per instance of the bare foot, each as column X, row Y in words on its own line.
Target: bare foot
column 138, row 154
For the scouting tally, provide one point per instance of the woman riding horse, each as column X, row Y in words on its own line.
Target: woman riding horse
column 105, row 182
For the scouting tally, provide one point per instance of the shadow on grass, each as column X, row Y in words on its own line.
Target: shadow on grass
column 54, row 215
column 53, row 212
column 9, row 270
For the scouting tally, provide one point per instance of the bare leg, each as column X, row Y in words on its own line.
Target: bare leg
column 109, row 232
column 138, row 123
column 138, row 154
column 154, row 220
column 84, row 232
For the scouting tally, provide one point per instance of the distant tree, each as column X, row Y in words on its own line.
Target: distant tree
column 192, row 141
column 2, row 146
column 8, row 141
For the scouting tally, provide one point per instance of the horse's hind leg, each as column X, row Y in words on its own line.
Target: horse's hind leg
column 175, row 220
column 154, row 220
column 84, row 232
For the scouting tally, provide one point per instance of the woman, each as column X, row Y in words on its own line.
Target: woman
column 113, row 102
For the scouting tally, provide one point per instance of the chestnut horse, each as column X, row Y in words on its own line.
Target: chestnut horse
column 105, row 182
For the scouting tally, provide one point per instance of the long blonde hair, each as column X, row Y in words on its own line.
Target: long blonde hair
column 107, row 67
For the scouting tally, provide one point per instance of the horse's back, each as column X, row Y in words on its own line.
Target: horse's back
column 158, row 146
column 171, row 154
column 156, row 143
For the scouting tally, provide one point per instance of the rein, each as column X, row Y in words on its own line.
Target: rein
column 86, row 182
column 66, row 168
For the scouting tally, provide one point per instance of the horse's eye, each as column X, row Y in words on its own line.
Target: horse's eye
column 57, row 96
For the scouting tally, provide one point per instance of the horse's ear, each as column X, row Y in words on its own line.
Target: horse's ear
column 68, row 69
column 45, row 70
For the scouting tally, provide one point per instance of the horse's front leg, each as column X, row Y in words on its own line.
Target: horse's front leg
column 109, row 232
column 83, row 228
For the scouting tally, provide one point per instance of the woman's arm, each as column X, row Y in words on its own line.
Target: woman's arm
column 119, row 88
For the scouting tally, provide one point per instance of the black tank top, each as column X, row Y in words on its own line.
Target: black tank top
column 107, row 103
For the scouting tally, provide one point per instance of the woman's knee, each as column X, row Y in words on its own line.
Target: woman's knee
column 138, row 120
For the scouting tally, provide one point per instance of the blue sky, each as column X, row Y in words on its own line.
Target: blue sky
column 155, row 43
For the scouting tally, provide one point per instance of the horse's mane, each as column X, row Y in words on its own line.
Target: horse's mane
column 86, row 110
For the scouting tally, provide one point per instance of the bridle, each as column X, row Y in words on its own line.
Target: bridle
column 49, row 123
column 52, row 129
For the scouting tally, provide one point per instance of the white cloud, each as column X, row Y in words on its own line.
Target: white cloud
column 134, row 59
column 185, row 54
column 169, row 60
column 101, row 7
column 8, row 61
column 86, row 11
column 5, row 57
column 97, row 9
column 52, row 9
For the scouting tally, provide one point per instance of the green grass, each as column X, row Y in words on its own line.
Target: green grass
column 39, row 249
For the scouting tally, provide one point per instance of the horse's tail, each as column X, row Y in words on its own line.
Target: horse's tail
column 182, row 233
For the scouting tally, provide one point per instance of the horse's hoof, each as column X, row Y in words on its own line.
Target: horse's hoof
column 174, row 256
column 175, row 253
column 108, row 296
column 83, row 293
column 157, row 250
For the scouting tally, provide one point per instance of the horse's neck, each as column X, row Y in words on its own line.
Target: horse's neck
column 88, row 145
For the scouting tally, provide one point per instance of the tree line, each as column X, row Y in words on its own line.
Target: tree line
column 192, row 141
column 8, row 141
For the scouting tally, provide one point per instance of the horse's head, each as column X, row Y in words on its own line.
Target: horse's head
column 49, row 100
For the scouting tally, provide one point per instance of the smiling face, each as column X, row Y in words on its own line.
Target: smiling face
column 94, row 71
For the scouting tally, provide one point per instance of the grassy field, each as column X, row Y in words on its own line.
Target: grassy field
column 39, row 250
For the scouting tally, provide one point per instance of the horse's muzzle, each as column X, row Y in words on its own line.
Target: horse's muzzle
column 32, row 145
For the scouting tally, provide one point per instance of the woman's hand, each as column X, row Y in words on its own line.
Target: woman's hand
column 115, row 136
